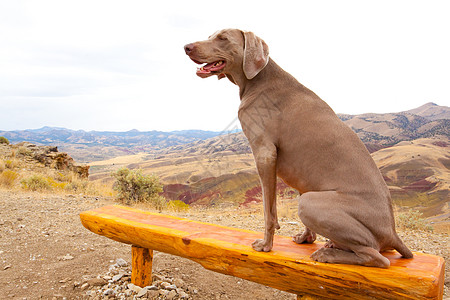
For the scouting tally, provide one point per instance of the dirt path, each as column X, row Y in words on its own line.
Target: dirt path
column 45, row 251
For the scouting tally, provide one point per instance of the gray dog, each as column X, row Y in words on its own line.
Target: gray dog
column 297, row 136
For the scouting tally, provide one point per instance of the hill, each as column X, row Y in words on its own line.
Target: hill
column 86, row 146
column 388, row 129
column 417, row 173
column 221, row 169
column 375, row 130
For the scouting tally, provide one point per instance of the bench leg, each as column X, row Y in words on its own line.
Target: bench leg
column 141, row 266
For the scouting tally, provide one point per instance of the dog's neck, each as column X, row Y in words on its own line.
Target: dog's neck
column 245, row 85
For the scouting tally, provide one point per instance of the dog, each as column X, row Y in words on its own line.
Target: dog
column 296, row 136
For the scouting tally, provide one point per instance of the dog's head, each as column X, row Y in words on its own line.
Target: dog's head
column 231, row 53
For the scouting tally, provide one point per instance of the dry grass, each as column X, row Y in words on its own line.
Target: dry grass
column 8, row 178
column 21, row 174
column 411, row 220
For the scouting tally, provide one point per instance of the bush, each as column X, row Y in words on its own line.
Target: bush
column 4, row 140
column 24, row 151
column 134, row 187
column 36, row 183
column 412, row 220
column 177, row 205
column 8, row 177
column 11, row 163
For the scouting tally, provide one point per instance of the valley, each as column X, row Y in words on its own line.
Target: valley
column 200, row 168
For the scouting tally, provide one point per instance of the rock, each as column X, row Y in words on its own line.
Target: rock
column 121, row 262
column 96, row 282
column 164, row 284
column 117, row 277
column 65, row 257
column 156, row 277
column 109, row 292
column 107, row 277
column 84, row 286
column 171, row 287
column 183, row 295
column 142, row 293
column 6, row 267
column 163, row 292
column 171, row 295
column 134, row 288
column 152, row 288
column 179, row 282
column 152, row 294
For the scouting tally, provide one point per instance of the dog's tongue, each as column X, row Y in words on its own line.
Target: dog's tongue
column 208, row 68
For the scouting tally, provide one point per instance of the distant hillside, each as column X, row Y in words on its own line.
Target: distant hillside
column 98, row 145
column 431, row 111
column 221, row 169
column 417, row 173
column 426, row 121
column 377, row 131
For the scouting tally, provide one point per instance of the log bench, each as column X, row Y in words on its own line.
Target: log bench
column 287, row 267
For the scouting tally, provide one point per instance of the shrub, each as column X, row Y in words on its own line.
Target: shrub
column 134, row 187
column 36, row 183
column 8, row 177
column 24, row 151
column 2, row 166
column 11, row 163
column 4, row 140
column 77, row 185
column 177, row 205
column 412, row 220
column 159, row 202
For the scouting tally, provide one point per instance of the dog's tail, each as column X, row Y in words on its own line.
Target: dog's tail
column 402, row 249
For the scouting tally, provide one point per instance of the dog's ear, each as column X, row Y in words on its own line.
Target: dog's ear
column 256, row 55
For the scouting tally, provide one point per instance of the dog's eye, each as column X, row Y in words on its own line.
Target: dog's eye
column 222, row 37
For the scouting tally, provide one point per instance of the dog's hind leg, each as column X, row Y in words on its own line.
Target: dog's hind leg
column 364, row 256
column 332, row 215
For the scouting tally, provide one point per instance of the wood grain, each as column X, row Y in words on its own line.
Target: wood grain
column 141, row 266
column 287, row 267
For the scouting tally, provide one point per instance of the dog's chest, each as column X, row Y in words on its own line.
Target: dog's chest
column 260, row 118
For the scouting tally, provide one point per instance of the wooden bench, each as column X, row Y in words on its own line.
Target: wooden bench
column 287, row 267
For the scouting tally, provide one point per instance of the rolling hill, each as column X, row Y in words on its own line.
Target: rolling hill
column 86, row 146
column 388, row 129
column 411, row 148
column 375, row 130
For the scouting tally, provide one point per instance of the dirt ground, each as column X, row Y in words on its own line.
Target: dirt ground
column 45, row 251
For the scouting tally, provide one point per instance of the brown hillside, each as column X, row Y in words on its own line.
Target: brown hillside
column 431, row 111
column 417, row 173
column 214, row 171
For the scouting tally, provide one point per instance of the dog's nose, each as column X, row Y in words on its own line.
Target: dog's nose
column 188, row 48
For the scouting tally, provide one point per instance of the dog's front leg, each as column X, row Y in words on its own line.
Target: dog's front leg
column 266, row 158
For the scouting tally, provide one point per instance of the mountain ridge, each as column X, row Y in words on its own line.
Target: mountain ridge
column 377, row 131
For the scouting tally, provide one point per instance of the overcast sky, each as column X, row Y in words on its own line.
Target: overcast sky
column 120, row 65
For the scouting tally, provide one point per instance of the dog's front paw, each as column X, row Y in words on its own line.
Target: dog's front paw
column 261, row 245
column 307, row 237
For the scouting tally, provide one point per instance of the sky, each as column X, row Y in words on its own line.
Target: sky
column 120, row 65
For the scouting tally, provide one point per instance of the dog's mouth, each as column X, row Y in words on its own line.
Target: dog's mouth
column 214, row 68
